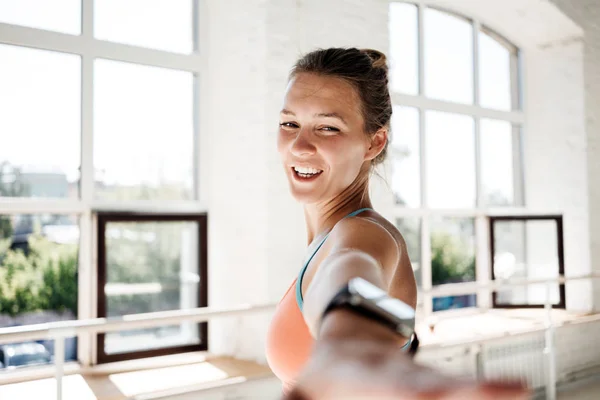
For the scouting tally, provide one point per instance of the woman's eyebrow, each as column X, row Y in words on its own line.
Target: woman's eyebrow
column 322, row 115
column 332, row 115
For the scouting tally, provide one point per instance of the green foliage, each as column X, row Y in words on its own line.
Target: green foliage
column 59, row 289
column 10, row 186
column 44, row 279
column 450, row 260
column 6, row 230
column 144, row 252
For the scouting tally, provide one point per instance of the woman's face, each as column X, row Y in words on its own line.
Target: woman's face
column 321, row 138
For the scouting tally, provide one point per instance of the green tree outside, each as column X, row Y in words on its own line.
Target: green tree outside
column 45, row 279
column 450, row 260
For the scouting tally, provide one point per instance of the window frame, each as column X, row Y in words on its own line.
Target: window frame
column 480, row 212
column 558, row 219
column 85, row 207
column 107, row 217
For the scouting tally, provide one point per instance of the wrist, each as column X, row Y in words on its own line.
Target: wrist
column 342, row 324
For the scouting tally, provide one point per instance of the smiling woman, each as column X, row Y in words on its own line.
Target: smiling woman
column 346, row 327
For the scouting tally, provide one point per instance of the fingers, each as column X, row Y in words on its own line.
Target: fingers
column 504, row 390
column 296, row 394
column 482, row 391
column 485, row 391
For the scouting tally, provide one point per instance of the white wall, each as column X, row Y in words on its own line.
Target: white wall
column 587, row 14
column 234, row 118
column 257, row 234
column 555, row 151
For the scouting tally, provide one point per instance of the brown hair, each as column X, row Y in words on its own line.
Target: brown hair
column 367, row 71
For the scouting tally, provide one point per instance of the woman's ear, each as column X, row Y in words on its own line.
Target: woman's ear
column 377, row 144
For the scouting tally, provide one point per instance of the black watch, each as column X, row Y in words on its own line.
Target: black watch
column 368, row 300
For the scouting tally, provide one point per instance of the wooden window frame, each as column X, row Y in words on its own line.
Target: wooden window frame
column 558, row 219
column 105, row 217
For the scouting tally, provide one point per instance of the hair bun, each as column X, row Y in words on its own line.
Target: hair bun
column 378, row 59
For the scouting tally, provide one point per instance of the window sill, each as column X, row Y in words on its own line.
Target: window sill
column 148, row 378
column 470, row 324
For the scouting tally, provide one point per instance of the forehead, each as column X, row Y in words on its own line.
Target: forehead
column 321, row 92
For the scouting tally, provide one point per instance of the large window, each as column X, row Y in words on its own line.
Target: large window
column 456, row 142
column 100, row 117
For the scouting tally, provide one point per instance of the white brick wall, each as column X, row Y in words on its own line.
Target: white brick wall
column 555, row 152
column 234, row 107
column 257, row 236
column 587, row 14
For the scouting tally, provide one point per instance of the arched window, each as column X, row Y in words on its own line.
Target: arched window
column 456, row 141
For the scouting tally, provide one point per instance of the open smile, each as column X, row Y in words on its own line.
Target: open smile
column 304, row 174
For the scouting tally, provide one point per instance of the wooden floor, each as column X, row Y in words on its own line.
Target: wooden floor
column 586, row 391
column 221, row 378
column 144, row 383
column 270, row 389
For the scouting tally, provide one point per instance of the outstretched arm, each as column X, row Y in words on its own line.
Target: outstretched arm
column 362, row 248
column 357, row 358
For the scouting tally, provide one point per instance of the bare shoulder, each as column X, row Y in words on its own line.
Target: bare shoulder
column 370, row 233
column 377, row 236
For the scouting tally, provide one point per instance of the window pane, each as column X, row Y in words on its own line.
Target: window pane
column 404, row 45
column 151, row 266
column 494, row 73
column 60, row 16
column 405, row 149
column 448, row 57
column 526, row 250
column 40, row 124
column 452, row 259
column 450, row 160
column 157, row 24
column 410, row 228
column 143, row 132
column 497, row 162
column 38, row 282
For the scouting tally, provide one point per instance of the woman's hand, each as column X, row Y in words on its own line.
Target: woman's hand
column 370, row 365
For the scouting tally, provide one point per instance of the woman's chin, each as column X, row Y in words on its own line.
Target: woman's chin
column 305, row 197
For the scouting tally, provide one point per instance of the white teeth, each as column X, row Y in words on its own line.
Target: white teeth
column 303, row 170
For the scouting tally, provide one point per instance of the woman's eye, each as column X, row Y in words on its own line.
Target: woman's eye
column 329, row 129
column 288, row 125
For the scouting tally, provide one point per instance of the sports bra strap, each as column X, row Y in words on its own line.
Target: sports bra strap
column 299, row 298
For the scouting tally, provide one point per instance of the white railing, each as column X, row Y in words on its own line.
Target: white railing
column 59, row 331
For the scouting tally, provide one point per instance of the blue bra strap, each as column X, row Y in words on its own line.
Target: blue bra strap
column 406, row 346
column 355, row 213
column 299, row 298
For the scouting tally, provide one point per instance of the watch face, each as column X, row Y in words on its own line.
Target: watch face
column 366, row 289
column 397, row 308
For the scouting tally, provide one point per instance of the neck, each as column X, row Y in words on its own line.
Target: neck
column 321, row 217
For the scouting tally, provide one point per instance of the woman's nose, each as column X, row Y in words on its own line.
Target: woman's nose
column 303, row 145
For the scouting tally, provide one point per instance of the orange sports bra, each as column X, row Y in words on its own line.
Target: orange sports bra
column 289, row 342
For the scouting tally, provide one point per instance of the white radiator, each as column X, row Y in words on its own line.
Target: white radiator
column 522, row 359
